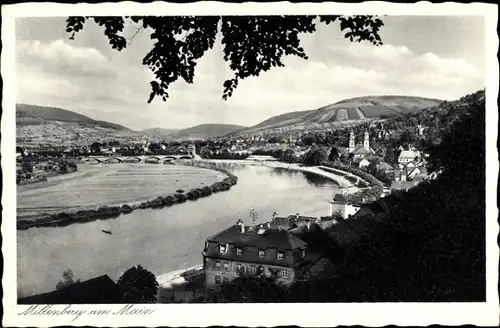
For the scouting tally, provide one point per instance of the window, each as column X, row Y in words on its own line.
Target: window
column 217, row 280
column 281, row 255
column 217, row 265
column 223, row 248
column 238, row 267
column 252, row 269
column 262, row 253
column 206, row 246
column 302, row 253
column 239, row 250
column 226, row 265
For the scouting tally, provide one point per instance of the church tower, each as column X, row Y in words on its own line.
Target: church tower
column 351, row 142
column 366, row 142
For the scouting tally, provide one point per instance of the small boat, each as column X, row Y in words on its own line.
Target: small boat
column 106, row 231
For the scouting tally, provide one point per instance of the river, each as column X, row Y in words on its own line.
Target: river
column 163, row 240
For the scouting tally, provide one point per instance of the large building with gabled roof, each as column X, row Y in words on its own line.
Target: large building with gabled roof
column 240, row 250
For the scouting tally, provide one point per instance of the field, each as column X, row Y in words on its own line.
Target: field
column 112, row 184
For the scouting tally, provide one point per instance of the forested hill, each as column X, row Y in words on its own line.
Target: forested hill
column 425, row 245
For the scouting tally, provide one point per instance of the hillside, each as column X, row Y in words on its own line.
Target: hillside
column 51, row 126
column 33, row 114
column 345, row 111
column 207, row 130
column 160, row 133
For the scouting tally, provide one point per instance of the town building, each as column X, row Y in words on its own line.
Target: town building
column 361, row 150
column 340, row 205
column 191, row 150
column 249, row 250
column 407, row 156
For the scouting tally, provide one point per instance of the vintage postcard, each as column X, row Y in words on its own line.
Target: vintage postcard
column 254, row 164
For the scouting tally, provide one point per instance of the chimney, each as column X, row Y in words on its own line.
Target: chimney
column 308, row 224
column 297, row 215
column 268, row 225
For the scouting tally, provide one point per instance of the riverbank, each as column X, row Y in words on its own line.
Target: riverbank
column 71, row 215
column 341, row 180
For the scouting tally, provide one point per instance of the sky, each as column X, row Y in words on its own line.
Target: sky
column 427, row 56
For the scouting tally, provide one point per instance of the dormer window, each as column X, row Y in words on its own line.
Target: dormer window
column 206, row 245
column 262, row 253
column 239, row 250
column 223, row 248
column 281, row 255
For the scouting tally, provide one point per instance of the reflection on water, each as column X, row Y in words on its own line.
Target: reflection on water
column 166, row 239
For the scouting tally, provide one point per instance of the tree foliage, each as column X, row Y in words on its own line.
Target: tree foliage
column 138, row 285
column 251, row 44
column 314, row 157
column 67, row 279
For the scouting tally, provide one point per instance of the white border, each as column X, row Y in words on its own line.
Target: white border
column 306, row 315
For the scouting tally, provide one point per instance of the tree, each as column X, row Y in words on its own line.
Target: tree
column 315, row 157
column 66, row 280
column 334, row 154
column 309, row 140
column 95, row 147
column 138, row 285
column 251, row 288
column 251, row 44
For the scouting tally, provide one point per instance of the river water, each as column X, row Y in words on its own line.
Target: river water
column 163, row 240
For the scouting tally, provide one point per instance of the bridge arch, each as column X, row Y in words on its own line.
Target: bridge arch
column 91, row 160
column 131, row 159
column 112, row 160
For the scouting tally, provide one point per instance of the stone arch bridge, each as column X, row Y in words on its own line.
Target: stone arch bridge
column 154, row 159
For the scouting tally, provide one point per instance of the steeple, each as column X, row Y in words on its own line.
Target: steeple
column 366, row 142
column 351, row 142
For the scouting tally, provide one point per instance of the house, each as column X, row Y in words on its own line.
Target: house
column 407, row 156
column 339, row 204
column 413, row 173
column 240, row 250
column 363, row 163
column 385, row 168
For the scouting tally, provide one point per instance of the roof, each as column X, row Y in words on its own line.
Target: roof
column 290, row 221
column 384, row 166
column 339, row 198
column 361, row 150
column 409, row 154
column 99, row 290
column 252, row 243
column 271, row 238
column 340, row 231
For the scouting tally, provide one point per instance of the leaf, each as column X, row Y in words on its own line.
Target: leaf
column 251, row 44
